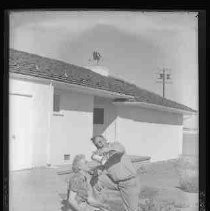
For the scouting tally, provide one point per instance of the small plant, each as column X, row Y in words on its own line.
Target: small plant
column 141, row 169
column 155, row 205
column 149, row 204
column 157, row 199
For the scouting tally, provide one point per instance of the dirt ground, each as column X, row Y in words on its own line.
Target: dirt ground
column 162, row 179
column 42, row 189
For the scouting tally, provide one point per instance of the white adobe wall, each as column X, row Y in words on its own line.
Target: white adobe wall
column 71, row 128
column 156, row 133
column 40, row 113
column 151, row 133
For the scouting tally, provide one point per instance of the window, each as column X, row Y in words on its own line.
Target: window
column 56, row 103
column 98, row 116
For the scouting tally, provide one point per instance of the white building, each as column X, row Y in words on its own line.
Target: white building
column 55, row 108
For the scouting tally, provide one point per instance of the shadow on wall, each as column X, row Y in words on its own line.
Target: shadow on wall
column 190, row 144
column 149, row 116
column 110, row 115
column 111, row 112
column 73, row 101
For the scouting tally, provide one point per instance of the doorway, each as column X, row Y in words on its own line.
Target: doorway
column 20, row 139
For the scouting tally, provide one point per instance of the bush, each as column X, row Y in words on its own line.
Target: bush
column 189, row 181
column 187, row 168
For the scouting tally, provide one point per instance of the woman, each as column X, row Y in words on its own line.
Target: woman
column 81, row 194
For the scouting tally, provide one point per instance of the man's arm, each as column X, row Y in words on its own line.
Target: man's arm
column 114, row 147
column 96, row 157
column 94, row 203
column 72, row 200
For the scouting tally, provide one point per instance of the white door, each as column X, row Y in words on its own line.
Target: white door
column 20, row 140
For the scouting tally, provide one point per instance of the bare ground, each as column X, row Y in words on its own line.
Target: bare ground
column 42, row 189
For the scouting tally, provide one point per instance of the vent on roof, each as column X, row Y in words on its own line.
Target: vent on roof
column 99, row 69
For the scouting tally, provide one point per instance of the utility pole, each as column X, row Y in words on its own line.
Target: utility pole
column 164, row 78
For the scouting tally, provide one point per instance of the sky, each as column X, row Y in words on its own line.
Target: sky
column 134, row 45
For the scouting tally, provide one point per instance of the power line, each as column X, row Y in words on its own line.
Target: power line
column 164, row 78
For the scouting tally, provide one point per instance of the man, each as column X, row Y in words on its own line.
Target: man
column 119, row 169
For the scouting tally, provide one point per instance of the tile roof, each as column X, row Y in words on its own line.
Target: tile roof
column 34, row 65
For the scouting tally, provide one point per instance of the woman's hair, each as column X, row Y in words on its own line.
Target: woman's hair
column 76, row 162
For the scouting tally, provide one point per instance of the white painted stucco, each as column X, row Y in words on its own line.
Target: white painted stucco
column 38, row 111
column 50, row 135
column 151, row 133
column 71, row 128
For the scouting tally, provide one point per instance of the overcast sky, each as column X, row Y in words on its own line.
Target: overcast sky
column 134, row 45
